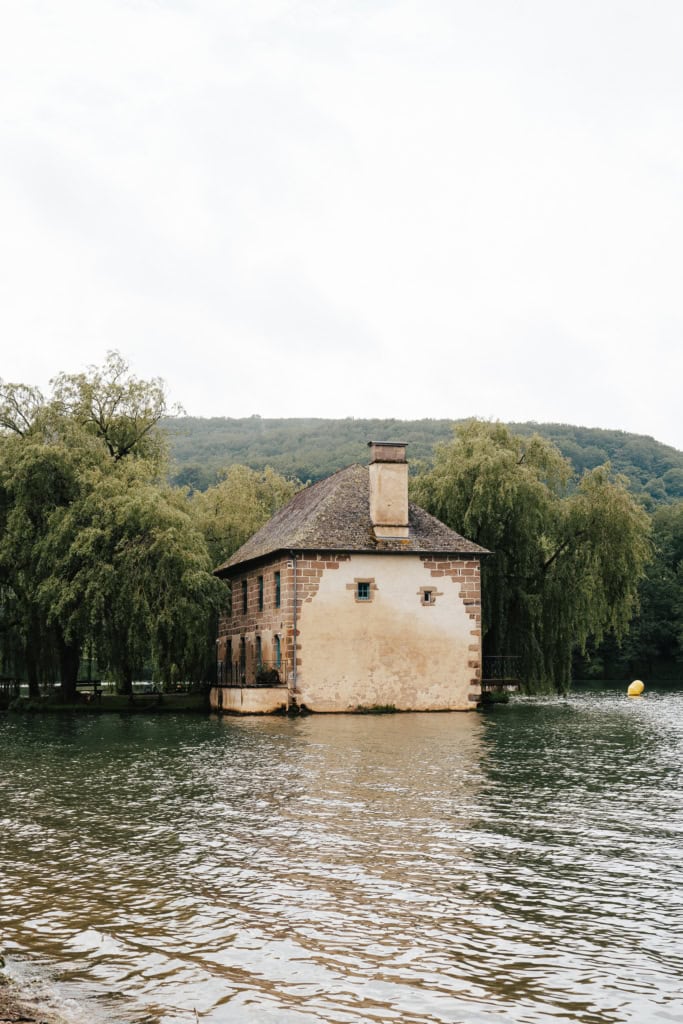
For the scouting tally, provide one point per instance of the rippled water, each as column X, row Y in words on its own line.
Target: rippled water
column 525, row 865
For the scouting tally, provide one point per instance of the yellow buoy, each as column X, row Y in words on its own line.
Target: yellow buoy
column 636, row 688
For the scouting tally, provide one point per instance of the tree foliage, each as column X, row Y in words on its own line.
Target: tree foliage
column 656, row 638
column 93, row 548
column 20, row 405
column 309, row 449
column 110, row 403
column 567, row 554
column 41, row 472
column 236, row 507
column 130, row 569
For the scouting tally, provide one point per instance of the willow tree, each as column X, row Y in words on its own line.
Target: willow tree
column 236, row 507
column 93, row 545
column 567, row 553
column 657, row 637
column 112, row 404
column 41, row 472
column 130, row 569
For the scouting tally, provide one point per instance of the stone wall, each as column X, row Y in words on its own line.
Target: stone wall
column 252, row 700
column 268, row 623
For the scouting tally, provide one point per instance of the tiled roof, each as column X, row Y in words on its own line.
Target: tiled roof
column 334, row 515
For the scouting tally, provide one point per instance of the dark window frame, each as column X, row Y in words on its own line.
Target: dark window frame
column 428, row 596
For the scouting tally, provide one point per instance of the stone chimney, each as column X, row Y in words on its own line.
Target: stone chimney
column 388, row 489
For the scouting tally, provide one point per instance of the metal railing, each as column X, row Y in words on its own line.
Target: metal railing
column 500, row 671
column 9, row 689
column 263, row 673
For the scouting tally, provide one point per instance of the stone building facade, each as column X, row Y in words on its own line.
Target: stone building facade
column 350, row 598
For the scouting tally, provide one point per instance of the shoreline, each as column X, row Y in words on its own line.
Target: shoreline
column 16, row 1005
column 155, row 704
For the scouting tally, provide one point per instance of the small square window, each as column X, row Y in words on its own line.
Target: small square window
column 428, row 596
column 363, row 590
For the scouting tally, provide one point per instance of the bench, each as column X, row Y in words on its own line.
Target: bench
column 92, row 691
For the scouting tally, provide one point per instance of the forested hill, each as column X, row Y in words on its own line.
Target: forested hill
column 308, row 449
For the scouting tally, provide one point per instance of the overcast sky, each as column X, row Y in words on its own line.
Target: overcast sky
column 350, row 207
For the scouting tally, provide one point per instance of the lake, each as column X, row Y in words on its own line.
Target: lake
column 523, row 865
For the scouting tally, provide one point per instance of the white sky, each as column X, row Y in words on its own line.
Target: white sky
column 352, row 208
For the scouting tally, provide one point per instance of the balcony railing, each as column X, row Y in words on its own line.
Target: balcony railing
column 500, row 672
column 263, row 673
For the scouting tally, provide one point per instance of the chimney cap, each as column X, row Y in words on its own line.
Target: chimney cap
column 387, row 451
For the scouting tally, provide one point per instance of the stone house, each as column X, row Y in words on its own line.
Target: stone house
column 352, row 597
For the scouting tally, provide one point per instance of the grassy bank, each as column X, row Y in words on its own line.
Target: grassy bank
column 149, row 703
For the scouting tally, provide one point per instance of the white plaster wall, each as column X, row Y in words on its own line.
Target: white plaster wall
column 391, row 650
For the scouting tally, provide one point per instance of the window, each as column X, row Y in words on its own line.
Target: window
column 278, row 651
column 259, row 653
column 363, row 590
column 228, row 603
column 428, row 596
column 244, row 596
column 277, row 589
column 260, row 593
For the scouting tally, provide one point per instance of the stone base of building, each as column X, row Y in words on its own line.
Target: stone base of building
column 271, row 700
column 248, row 700
column 321, row 707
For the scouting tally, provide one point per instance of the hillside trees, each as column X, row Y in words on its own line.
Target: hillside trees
column 94, row 547
column 309, row 449
column 567, row 555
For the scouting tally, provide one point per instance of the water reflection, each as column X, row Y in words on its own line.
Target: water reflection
column 523, row 866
